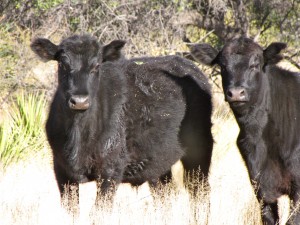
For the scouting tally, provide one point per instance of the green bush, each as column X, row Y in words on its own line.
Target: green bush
column 21, row 132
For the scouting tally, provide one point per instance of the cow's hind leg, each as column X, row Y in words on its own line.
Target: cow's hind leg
column 199, row 146
column 195, row 135
column 198, row 141
column 196, row 165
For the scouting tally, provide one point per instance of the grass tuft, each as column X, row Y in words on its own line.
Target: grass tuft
column 21, row 132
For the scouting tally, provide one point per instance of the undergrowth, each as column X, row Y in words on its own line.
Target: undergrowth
column 21, row 132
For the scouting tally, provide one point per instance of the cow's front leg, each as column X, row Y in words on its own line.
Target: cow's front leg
column 295, row 211
column 110, row 177
column 269, row 213
column 106, row 189
column 107, row 185
column 68, row 188
column 269, row 206
column 64, row 182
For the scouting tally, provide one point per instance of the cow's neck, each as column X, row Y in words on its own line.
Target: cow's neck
column 252, row 123
column 80, row 131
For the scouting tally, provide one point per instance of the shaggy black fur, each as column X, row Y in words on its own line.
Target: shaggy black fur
column 265, row 100
column 115, row 120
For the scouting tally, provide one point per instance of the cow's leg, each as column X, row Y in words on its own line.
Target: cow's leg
column 107, row 185
column 196, row 161
column 156, row 186
column 198, row 153
column 110, row 177
column 194, row 177
column 68, row 188
column 195, row 132
column 295, row 211
column 269, row 213
column 105, row 191
column 166, row 178
column 62, row 179
column 198, row 156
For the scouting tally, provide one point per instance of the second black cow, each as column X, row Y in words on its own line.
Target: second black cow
column 115, row 120
column 265, row 100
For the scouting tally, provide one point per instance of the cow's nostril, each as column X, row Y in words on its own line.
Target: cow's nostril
column 236, row 94
column 229, row 94
column 73, row 101
column 242, row 93
column 79, row 102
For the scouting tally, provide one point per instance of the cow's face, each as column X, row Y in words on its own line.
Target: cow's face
column 242, row 63
column 79, row 61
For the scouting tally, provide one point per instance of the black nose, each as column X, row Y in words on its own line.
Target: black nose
column 79, row 102
column 236, row 95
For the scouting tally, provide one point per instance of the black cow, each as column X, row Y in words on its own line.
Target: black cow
column 115, row 120
column 265, row 100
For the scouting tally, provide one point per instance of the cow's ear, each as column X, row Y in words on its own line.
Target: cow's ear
column 112, row 51
column 44, row 48
column 272, row 52
column 204, row 53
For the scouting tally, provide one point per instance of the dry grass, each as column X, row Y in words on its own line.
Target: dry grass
column 29, row 194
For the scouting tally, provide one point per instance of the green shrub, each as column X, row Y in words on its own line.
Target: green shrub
column 21, row 132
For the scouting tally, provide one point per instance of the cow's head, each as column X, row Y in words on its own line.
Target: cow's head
column 79, row 61
column 242, row 63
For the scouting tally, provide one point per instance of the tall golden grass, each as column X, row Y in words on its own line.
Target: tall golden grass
column 29, row 195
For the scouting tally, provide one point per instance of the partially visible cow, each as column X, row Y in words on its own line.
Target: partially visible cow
column 115, row 120
column 265, row 100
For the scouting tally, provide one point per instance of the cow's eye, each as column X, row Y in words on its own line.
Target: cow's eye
column 254, row 63
column 65, row 60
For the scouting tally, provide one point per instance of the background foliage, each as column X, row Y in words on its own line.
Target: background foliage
column 156, row 27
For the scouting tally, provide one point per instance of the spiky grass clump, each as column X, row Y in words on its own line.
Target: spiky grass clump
column 21, row 132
